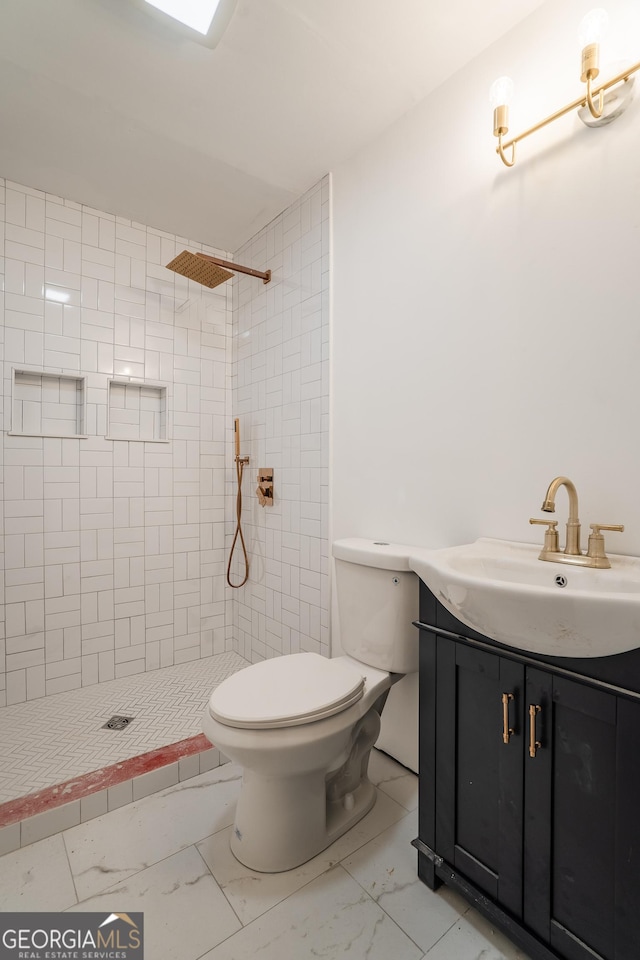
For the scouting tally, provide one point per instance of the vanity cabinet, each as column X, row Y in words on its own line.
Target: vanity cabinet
column 530, row 792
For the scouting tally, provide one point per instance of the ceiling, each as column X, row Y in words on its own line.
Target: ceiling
column 102, row 104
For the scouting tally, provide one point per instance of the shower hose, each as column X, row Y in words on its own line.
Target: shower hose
column 238, row 533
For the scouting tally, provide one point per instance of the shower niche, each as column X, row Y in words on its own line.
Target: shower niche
column 47, row 405
column 137, row 411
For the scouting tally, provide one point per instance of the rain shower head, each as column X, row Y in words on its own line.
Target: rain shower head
column 211, row 271
column 197, row 268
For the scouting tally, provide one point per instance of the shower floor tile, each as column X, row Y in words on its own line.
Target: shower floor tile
column 54, row 739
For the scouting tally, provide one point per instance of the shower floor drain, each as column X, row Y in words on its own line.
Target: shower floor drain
column 117, row 723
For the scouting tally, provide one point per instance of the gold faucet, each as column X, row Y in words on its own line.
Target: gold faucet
column 595, row 555
column 572, row 546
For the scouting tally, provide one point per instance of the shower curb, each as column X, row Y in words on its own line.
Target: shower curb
column 49, row 811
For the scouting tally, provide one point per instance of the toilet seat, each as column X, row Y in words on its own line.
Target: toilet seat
column 286, row 691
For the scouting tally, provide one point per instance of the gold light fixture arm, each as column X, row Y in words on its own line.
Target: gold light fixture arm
column 500, row 127
column 503, row 156
column 574, row 105
column 596, row 112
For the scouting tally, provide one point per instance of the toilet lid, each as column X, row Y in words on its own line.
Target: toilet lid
column 286, row 691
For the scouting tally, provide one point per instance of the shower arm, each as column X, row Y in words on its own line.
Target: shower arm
column 265, row 276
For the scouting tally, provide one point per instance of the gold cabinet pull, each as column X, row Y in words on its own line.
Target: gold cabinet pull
column 507, row 731
column 534, row 745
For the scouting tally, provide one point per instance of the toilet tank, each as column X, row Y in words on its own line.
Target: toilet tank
column 377, row 597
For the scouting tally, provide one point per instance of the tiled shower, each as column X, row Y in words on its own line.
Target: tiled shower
column 281, row 395
column 113, row 549
column 121, row 381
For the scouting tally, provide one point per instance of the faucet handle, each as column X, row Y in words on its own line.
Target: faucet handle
column 595, row 547
column 597, row 527
column 550, row 535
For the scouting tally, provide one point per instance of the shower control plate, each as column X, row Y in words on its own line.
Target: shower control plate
column 264, row 490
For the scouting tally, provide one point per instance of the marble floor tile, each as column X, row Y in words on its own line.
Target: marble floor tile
column 37, row 877
column 168, row 855
column 397, row 781
column 474, row 938
column 386, row 868
column 116, row 845
column 185, row 913
column 252, row 894
column 331, row 917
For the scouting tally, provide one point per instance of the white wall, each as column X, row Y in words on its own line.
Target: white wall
column 281, row 396
column 113, row 550
column 486, row 332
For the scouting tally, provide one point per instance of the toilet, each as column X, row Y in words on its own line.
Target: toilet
column 302, row 725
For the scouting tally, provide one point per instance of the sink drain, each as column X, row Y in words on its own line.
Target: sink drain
column 117, row 723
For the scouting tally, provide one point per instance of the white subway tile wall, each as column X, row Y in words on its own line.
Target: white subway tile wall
column 113, row 558
column 281, row 396
column 114, row 551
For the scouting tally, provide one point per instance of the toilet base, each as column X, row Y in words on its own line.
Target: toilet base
column 282, row 823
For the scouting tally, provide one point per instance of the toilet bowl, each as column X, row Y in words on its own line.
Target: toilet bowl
column 302, row 725
column 302, row 783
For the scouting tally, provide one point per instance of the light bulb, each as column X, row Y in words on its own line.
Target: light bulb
column 500, row 97
column 501, row 92
column 593, row 27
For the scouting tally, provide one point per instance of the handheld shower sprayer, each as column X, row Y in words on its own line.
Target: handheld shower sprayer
column 236, row 433
column 240, row 465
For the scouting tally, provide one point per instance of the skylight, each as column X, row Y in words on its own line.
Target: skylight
column 197, row 14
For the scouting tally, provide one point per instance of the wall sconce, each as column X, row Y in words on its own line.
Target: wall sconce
column 592, row 28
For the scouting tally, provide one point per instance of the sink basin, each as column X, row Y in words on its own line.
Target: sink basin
column 501, row 589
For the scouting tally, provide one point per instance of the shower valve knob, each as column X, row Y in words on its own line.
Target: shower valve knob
column 264, row 490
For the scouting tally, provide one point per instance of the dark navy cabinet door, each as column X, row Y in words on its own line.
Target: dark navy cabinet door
column 582, row 840
column 479, row 769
